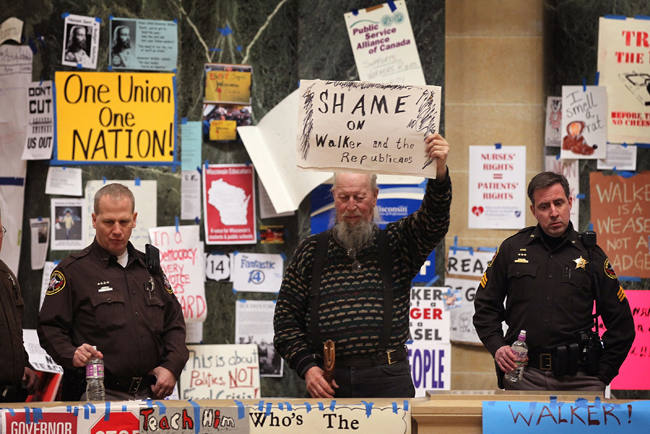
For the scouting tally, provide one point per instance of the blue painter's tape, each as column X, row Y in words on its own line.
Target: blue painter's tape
column 395, row 407
column 183, row 121
column 642, row 145
column 625, row 174
column 406, row 405
column 497, row 146
column 581, row 402
column 597, row 402
column 65, row 15
column 532, row 406
column 486, row 249
column 86, row 411
column 355, row 12
column 391, row 5
column 149, row 403
column 76, row 411
column 197, row 220
column 490, row 403
column 641, row 17
column 432, row 281
column 629, row 279
column 616, row 17
column 584, row 84
column 206, row 163
column 110, row 17
column 38, row 414
column 175, row 21
column 215, row 49
column 124, row 408
column 280, row 405
column 32, row 45
column 591, row 226
column 289, row 407
column 79, row 66
column 557, row 157
column 597, row 79
column 624, row 145
column 368, row 407
column 308, row 407
column 284, row 257
column 137, row 182
column 269, row 407
column 260, row 406
column 320, row 406
column 99, row 20
column 110, row 68
column 238, row 47
column 68, row 408
column 161, row 407
column 174, row 70
column 241, row 410
column 580, row 196
column 553, row 401
column 244, row 301
column 28, row 416
column 104, row 179
column 176, row 220
column 56, row 262
column 107, row 411
column 197, row 416
column 333, row 405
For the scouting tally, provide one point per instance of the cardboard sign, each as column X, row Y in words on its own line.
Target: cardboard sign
column 624, row 67
column 221, row 372
column 619, row 211
column 366, row 127
column 107, row 117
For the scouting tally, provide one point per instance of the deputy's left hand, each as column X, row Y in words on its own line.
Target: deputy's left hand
column 165, row 382
column 438, row 148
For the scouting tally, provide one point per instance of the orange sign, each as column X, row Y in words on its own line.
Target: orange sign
column 620, row 213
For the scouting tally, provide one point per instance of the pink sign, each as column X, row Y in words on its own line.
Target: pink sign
column 638, row 360
column 229, row 204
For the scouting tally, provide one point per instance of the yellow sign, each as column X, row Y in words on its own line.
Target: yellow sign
column 223, row 130
column 108, row 117
column 228, row 86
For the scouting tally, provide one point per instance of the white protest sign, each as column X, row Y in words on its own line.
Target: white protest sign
column 383, row 44
column 624, row 71
column 11, row 28
column 497, row 187
column 40, row 128
column 584, row 126
column 430, row 366
column 65, row 181
column 366, row 127
column 38, row 358
column 181, row 258
column 259, row 272
column 221, row 372
column 429, row 321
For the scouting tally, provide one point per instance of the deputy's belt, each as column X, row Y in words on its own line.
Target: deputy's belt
column 128, row 384
column 387, row 358
column 541, row 360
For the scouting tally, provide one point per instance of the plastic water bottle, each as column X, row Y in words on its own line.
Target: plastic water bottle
column 95, row 379
column 520, row 349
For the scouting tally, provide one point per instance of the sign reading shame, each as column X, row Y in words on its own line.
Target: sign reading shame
column 366, row 127
column 107, row 117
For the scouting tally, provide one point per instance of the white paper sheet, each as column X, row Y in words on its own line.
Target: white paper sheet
column 38, row 357
column 68, row 224
column 584, row 122
column 190, row 194
column 619, row 157
column 271, row 146
column 11, row 28
column 266, row 206
column 65, row 181
column 81, row 42
column 40, row 130
column 40, row 239
column 257, row 272
column 254, row 325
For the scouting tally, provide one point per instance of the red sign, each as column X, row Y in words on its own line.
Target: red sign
column 117, row 423
column 49, row 422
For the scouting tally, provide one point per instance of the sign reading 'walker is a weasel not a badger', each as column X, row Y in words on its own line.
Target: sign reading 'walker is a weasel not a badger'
column 366, row 127
column 115, row 118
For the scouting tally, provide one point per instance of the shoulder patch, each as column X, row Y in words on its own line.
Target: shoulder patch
column 609, row 271
column 167, row 285
column 493, row 258
column 621, row 294
column 57, row 283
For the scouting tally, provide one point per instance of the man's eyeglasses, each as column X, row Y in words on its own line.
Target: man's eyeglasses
column 356, row 265
column 4, row 231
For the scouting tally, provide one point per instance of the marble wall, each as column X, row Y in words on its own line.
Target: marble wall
column 283, row 40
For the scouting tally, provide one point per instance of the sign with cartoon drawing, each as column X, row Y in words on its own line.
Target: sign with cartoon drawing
column 584, row 130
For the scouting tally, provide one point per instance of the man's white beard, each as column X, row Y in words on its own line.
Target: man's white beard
column 355, row 237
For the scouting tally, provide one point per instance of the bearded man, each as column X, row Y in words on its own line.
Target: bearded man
column 121, row 53
column 351, row 284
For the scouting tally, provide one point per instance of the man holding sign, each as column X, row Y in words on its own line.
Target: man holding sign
column 351, row 284
column 550, row 276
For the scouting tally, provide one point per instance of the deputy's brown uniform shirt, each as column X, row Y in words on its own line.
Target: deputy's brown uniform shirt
column 131, row 315
column 13, row 357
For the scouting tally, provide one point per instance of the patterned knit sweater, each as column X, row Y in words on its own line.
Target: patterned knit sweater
column 351, row 309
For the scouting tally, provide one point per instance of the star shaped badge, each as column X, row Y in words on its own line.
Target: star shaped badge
column 580, row 262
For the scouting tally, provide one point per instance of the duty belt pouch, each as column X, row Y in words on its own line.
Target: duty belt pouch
column 573, row 356
column 559, row 361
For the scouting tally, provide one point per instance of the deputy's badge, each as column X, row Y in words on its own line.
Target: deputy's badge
column 167, row 285
column 609, row 271
column 580, row 263
column 57, row 283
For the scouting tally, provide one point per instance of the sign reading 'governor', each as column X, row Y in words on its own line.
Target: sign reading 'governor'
column 106, row 118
